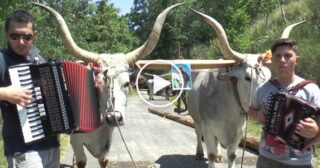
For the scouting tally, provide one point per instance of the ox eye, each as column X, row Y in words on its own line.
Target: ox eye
column 247, row 78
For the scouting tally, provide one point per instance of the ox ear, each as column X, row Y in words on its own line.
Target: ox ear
column 105, row 73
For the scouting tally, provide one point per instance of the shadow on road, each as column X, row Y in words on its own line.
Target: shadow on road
column 180, row 161
column 189, row 161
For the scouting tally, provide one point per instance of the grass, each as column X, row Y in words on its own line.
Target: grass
column 132, row 92
column 64, row 143
column 254, row 128
column 3, row 161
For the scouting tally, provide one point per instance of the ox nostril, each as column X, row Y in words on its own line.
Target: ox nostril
column 247, row 78
column 114, row 118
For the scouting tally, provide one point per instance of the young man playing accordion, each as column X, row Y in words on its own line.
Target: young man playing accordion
column 20, row 32
column 273, row 151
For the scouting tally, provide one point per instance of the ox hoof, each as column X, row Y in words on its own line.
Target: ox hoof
column 218, row 159
column 215, row 158
column 79, row 165
column 103, row 163
column 200, row 156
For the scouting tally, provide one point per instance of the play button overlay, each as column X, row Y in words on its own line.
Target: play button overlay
column 159, row 82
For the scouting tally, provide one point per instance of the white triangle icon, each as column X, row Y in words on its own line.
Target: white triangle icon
column 159, row 83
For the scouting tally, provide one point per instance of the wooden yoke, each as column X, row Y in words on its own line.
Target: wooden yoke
column 195, row 64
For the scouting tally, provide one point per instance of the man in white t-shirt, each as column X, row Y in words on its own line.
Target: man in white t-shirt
column 274, row 153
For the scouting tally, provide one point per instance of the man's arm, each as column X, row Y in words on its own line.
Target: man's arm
column 16, row 95
column 256, row 114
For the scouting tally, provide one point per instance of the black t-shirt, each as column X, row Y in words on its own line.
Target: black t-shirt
column 11, row 130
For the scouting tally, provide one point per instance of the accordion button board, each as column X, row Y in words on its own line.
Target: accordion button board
column 50, row 111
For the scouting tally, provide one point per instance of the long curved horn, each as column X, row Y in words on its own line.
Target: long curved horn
column 67, row 38
column 152, row 41
column 287, row 30
column 226, row 50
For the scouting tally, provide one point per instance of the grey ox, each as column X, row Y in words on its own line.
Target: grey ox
column 115, row 75
column 220, row 98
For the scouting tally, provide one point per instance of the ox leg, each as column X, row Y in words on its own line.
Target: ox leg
column 231, row 152
column 199, row 151
column 103, row 158
column 213, row 147
column 79, row 159
column 104, row 147
column 167, row 95
column 214, row 153
column 103, row 163
column 150, row 95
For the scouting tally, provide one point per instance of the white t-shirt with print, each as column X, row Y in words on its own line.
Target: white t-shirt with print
column 270, row 146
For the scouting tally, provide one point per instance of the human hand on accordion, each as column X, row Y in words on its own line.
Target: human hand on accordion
column 308, row 128
column 17, row 95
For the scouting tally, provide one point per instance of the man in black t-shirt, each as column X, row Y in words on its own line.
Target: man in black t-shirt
column 20, row 32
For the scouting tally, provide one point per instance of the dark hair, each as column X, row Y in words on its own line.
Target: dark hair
column 285, row 42
column 19, row 16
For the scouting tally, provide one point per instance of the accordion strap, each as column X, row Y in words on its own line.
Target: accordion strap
column 296, row 87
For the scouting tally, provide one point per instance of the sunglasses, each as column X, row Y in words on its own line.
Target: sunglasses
column 17, row 36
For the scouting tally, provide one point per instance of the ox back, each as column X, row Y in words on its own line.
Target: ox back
column 63, row 99
column 284, row 112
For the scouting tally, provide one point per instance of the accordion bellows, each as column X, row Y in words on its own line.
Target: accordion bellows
column 64, row 99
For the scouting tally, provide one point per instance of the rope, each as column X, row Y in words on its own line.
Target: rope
column 246, row 126
column 118, row 126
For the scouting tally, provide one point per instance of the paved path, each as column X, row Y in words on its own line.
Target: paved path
column 155, row 141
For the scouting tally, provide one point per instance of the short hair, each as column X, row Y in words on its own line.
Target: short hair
column 19, row 16
column 285, row 42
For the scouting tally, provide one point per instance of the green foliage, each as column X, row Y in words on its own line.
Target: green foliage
column 190, row 30
column 5, row 7
column 204, row 51
column 94, row 27
column 261, row 35
column 114, row 28
column 181, row 25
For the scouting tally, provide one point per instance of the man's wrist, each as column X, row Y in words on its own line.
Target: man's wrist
column 3, row 93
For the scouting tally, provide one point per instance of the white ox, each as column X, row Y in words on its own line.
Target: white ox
column 220, row 98
column 115, row 75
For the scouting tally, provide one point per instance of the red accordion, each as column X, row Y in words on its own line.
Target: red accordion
column 284, row 112
column 64, row 99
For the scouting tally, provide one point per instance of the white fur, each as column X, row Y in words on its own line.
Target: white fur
column 216, row 113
